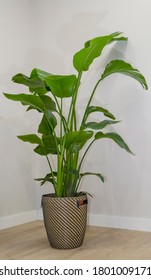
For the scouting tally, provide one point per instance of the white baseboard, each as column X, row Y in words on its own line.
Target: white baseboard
column 131, row 223
column 40, row 214
column 18, row 219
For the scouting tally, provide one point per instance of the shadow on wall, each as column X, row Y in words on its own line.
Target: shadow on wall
column 81, row 27
column 70, row 37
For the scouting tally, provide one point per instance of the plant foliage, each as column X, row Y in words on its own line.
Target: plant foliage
column 62, row 136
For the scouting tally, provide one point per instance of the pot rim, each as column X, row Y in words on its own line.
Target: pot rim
column 52, row 195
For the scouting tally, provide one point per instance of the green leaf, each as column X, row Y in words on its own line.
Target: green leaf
column 49, row 103
column 47, row 178
column 26, row 99
column 93, row 109
column 93, row 49
column 98, row 125
column 75, row 140
column 51, row 119
column 40, row 74
column 44, row 127
column 115, row 137
column 100, row 176
column 44, row 180
column 42, row 151
column 61, row 86
column 35, row 85
column 122, row 67
column 73, row 172
column 45, row 146
column 31, row 138
column 50, row 144
column 31, row 108
column 24, row 80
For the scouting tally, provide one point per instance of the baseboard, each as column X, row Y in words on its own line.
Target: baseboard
column 18, row 219
column 40, row 214
column 131, row 223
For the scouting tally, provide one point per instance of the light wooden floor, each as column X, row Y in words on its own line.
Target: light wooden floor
column 29, row 242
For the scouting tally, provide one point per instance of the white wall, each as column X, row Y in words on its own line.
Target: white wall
column 17, row 190
column 60, row 28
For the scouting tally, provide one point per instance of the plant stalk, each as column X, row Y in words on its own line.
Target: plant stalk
column 88, row 104
column 72, row 111
column 85, row 154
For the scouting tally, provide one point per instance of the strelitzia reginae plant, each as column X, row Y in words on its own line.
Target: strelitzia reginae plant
column 62, row 136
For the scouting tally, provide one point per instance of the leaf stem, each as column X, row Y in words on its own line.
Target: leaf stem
column 88, row 104
column 54, row 182
column 72, row 111
column 85, row 154
column 71, row 117
column 61, row 118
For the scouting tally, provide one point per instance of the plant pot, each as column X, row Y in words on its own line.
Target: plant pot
column 65, row 220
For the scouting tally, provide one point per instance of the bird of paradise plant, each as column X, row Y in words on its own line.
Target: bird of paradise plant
column 63, row 136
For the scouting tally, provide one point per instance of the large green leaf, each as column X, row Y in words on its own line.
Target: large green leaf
column 122, row 67
column 100, row 176
column 24, row 80
column 31, row 138
column 92, row 49
column 36, row 81
column 49, row 146
column 93, row 109
column 44, row 127
column 26, row 99
column 35, row 84
column 98, row 125
column 40, row 74
column 115, row 137
column 61, row 86
column 42, row 151
column 50, row 143
column 51, row 119
column 75, row 140
column 49, row 103
column 45, row 146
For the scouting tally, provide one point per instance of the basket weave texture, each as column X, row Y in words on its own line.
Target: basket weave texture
column 65, row 220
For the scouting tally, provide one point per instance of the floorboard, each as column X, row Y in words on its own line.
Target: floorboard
column 29, row 242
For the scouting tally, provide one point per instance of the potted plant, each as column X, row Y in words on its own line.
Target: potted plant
column 61, row 136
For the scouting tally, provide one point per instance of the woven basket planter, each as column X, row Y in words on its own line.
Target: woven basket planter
column 65, row 220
